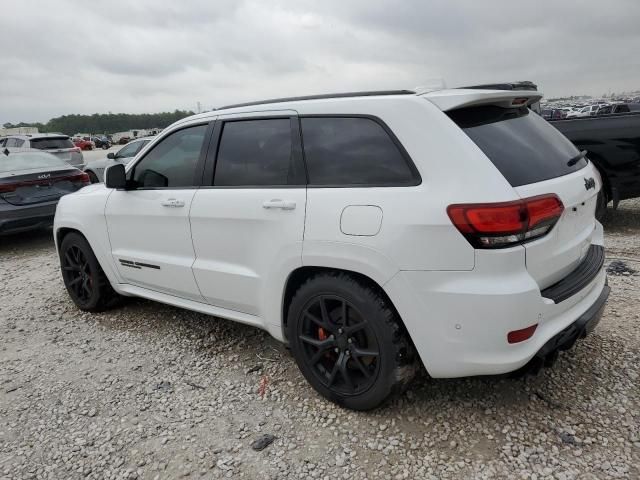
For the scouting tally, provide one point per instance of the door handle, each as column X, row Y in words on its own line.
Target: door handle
column 281, row 204
column 172, row 202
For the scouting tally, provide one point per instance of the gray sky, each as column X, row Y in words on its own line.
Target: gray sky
column 139, row 56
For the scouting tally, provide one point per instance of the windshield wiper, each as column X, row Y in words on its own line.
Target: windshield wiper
column 573, row 160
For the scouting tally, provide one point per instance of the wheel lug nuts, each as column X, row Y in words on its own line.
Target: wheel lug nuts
column 339, row 330
column 336, row 349
column 350, row 340
column 347, row 353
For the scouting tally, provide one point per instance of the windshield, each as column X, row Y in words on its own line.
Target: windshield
column 30, row 160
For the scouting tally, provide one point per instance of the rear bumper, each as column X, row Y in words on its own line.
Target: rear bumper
column 459, row 321
column 16, row 219
column 584, row 325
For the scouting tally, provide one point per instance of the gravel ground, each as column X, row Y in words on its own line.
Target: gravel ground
column 149, row 391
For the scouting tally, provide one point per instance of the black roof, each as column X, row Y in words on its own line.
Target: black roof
column 323, row 96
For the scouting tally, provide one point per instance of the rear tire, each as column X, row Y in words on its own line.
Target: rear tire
column 88, row 286
column 348, row 342
column 93, row 178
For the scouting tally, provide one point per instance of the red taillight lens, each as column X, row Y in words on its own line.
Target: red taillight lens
column 542, row 209
column 499, row 225
column 8, row 187
column 517, row 336
column 80, row 177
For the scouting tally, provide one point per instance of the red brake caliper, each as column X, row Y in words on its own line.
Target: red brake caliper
column 321, row 334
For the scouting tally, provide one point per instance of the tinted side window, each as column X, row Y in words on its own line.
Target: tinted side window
column 173, row 161
column 352, row 151
column 11, row 142
column 257, row 152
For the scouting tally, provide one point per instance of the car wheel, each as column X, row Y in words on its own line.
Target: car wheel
column 83, row 277
column 93, row 178
column 348, row 341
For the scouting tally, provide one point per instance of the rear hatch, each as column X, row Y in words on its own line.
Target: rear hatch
column 537, row 160
column 61, row 147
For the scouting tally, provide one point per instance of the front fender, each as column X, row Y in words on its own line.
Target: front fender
column 83, row 211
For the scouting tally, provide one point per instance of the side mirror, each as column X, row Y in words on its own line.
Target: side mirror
column 114, row 176
column 111, row 156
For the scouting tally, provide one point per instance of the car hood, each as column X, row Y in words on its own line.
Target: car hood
column 90, row 188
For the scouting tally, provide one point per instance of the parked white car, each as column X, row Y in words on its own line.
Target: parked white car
column 95, row 169
column 368, row 231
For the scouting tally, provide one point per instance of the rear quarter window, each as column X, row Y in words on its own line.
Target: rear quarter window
column 524, row 147
column 357, row 151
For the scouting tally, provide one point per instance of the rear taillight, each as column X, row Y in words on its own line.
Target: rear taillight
column 8, row 187
column 500, row 225
column 79, row 177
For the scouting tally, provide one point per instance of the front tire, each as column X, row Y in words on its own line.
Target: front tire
column 83, row 277
column 348, row 341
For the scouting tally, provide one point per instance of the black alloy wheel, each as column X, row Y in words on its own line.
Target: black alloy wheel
column 77, row 274
column 349, row 341
column 339, row 345
column 86, row 282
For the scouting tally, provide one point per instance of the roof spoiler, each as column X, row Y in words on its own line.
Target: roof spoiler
column 521, row 94
column 522, row 85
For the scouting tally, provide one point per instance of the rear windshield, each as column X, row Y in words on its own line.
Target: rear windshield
column 30, row 160
column 51, row 143
column 521, row 144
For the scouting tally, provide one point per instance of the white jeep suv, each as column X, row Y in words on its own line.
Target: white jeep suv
column 368, row 231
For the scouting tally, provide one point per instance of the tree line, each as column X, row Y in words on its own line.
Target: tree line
column 105, row 123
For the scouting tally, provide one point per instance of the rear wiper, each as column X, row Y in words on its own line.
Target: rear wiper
column 573, row 160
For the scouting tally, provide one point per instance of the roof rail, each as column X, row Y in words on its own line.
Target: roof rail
column 320, row 97
column 523, row 85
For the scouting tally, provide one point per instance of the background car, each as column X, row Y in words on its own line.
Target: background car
column 56, row 144
column 101, row 142
column 31, row 183
column 83, row 143
column 95, row 169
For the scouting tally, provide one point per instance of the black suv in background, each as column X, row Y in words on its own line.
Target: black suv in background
column 612, row 143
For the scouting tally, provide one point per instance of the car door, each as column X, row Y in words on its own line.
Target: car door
column 247, row 225
column 148, row 223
